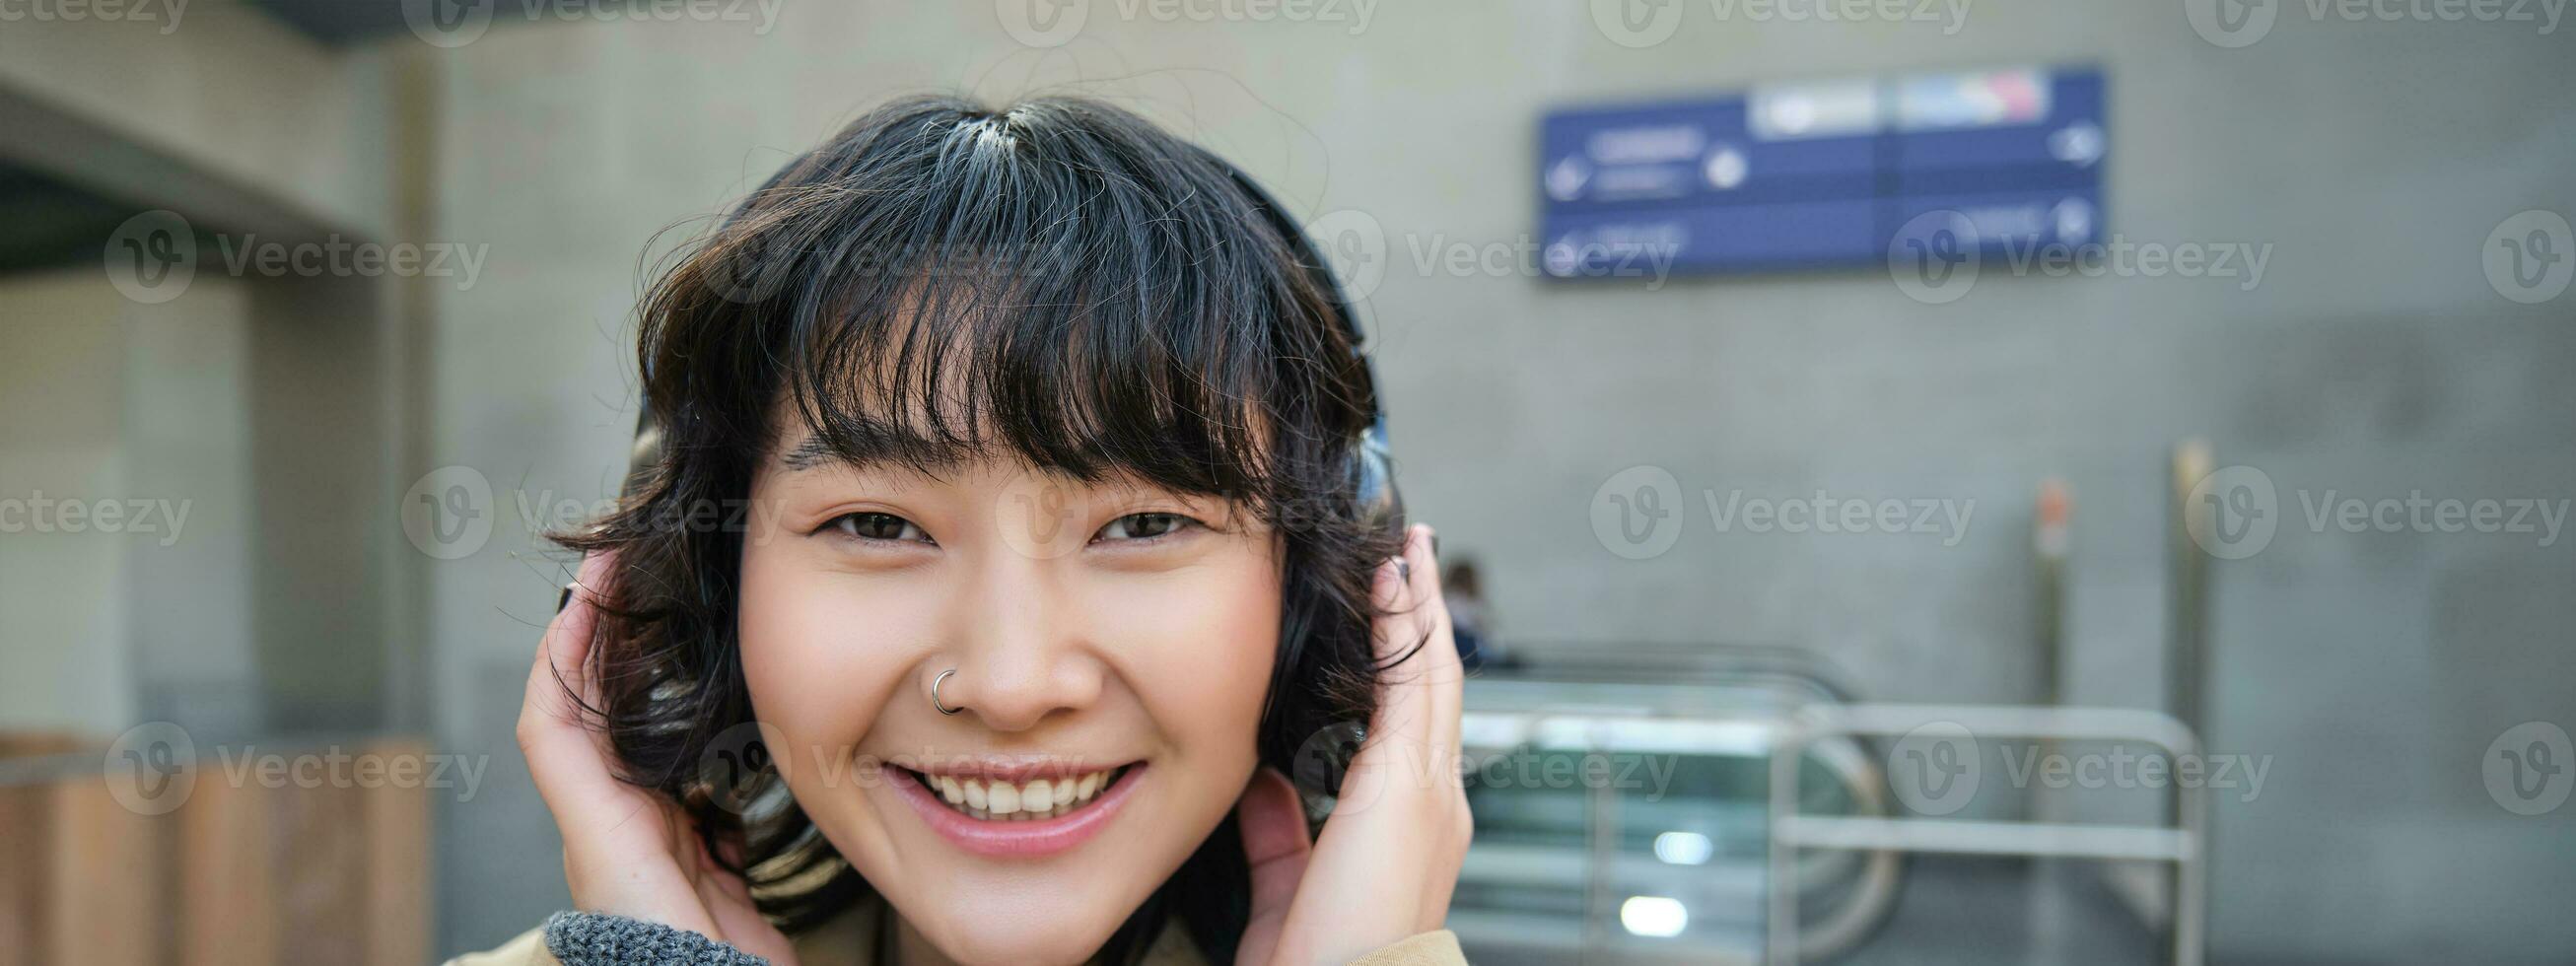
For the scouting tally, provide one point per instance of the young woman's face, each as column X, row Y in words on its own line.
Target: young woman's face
column 1111, row 645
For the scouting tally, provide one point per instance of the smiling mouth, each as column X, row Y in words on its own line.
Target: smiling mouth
column 995, row 800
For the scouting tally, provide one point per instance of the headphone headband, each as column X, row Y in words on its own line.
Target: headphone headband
column 1308, row 256
column 1372, row 465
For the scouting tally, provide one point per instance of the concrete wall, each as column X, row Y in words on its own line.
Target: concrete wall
column 146, row 409
column 220, row 86
column 2373, row 358
column 274, row 405
column 67, row 662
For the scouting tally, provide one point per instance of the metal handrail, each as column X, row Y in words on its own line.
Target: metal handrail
column 2181, row 843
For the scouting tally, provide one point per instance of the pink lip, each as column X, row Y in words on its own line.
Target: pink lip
column 1031, row 838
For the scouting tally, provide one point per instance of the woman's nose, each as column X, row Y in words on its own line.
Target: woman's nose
column 1022, row 652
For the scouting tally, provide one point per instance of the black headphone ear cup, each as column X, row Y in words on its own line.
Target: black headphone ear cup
column 1375, row 500
column 646, row 454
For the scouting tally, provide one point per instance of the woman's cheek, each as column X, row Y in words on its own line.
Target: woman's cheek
column 813, row 657
column 1199, row 652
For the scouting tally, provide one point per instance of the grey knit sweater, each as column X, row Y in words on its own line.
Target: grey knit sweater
column 600, row 939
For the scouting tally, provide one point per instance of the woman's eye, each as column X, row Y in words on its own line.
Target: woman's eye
column 1145, row 526
column 879, row 526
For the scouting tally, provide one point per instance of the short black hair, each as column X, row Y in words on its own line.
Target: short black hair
column 1057, row 280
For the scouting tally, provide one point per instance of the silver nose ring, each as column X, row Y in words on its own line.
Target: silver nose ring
column 934, row 692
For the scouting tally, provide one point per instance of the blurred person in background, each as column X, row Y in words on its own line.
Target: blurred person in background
column 1469, row 619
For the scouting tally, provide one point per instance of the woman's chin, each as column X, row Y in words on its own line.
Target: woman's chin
column 1058, row 910
column 976, row 931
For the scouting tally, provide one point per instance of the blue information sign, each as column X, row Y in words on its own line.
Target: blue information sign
column 1822, row 174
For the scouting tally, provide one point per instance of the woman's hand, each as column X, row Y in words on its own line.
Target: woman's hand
column 1388, row 859
column 627, row 850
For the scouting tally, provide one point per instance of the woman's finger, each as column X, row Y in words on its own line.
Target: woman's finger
column 1275, row 846
column 1441, row 670
column 568, row 759
column 1417, row 697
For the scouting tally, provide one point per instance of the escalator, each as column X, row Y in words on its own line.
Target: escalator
column 1624, row 822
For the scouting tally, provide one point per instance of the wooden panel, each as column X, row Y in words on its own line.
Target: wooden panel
column 32, row 744
column 320, row 863
column 26, row 830
column 256, row 868
column 108, row 873
column 397, row 824
column 228, row 906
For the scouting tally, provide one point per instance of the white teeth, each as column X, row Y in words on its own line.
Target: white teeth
column 1005, row 802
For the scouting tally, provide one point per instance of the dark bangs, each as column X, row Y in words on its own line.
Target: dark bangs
column 1060, row 282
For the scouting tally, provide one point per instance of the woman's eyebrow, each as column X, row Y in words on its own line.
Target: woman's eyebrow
column 811, row 453
column 815, row 452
